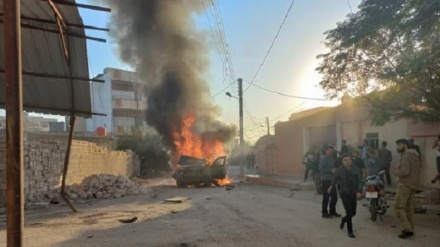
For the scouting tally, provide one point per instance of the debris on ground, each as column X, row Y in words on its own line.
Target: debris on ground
column 183, row 245
column 55, row 201
column 36, row 205
column 177, row 199
column 90, row 236
column 105, row 187
column 296, row 188
column 174, row 211
column 129, row 220
column 229, row 187
column 420, row 210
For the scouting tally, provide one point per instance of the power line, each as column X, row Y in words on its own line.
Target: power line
column 349, row 5
column 273, row 42
column 223, row 46
column 216, row 11
column 224, row 89
column 283, row 94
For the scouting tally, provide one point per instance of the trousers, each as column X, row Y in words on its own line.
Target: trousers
column 404, row 207
column 349, row 202
column 326, row 198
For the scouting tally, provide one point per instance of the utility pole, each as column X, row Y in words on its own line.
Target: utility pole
column 268, row 126
column 240, row 100
column 14, row 124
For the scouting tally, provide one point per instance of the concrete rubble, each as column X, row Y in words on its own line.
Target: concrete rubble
column 105, row 187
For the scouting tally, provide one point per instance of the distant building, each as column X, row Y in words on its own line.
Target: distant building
column 121, row 98
column 37, row 124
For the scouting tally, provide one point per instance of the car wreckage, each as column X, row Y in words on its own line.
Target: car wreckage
column 197, row 172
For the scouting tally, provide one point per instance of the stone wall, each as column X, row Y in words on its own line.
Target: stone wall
column 44, row 160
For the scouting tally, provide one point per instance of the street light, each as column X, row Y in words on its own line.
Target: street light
column 230, row 95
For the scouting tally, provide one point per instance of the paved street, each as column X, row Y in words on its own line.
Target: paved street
column 248, row 215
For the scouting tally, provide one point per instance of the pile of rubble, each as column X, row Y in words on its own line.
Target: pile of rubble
column 105, row 187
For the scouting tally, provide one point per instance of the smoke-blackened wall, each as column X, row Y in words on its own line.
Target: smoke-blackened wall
column 159, row 39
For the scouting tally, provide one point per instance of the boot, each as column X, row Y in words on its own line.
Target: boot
column 343, row 221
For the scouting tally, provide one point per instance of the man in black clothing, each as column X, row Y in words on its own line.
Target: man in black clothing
column 358, row 162
column 385, row 157
column 327, row 169
column 350, row 187
column 344, row 148
column 308, row 160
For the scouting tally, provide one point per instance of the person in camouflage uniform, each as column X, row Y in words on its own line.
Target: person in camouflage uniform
column 408, row 178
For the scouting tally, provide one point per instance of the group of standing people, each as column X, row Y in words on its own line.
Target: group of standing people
column 347, row 172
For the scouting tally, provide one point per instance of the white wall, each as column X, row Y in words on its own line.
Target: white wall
column 101, row 103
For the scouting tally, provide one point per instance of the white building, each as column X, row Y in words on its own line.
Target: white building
column 121, row 98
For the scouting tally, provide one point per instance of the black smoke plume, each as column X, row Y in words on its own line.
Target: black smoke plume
column 159, row 38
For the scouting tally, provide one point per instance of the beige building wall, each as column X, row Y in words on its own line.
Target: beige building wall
column 351, row 132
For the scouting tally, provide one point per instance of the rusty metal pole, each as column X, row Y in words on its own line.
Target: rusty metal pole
column 14, row 124
column 66, row 165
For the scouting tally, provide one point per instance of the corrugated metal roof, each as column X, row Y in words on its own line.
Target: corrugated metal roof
column 42, row 52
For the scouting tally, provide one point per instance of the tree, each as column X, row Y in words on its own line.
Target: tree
column 388, row 53
column 148, row 147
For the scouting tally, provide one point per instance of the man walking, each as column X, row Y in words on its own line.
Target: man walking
column 408, row 179
column 327, row 169
column 385, row 157
column 350, row 188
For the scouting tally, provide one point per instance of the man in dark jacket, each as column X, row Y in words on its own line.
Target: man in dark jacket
column 344, row 148
column 412, row 145
column 350, row 187
column 327, row 169
column 385, row 157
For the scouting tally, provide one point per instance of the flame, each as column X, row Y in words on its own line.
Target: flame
column 187, row 142
column 225, row 181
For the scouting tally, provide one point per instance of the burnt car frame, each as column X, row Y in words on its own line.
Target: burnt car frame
column 195, row 171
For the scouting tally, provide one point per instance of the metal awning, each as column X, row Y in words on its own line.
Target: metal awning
column 46, row 80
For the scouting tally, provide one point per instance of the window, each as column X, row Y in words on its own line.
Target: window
column 373, row 140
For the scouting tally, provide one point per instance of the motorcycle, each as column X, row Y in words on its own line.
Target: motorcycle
column 375, row 194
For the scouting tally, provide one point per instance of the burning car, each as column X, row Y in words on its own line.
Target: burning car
column 195, row 171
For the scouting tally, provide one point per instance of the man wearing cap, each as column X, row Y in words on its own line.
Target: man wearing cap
column 408, row 179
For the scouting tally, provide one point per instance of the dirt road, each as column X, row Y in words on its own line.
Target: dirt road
column 248, row 215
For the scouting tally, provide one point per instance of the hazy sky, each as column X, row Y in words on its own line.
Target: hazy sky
column 250, row 26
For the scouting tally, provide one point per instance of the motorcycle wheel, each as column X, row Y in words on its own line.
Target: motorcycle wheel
column 383, row 205
column 373, row 209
